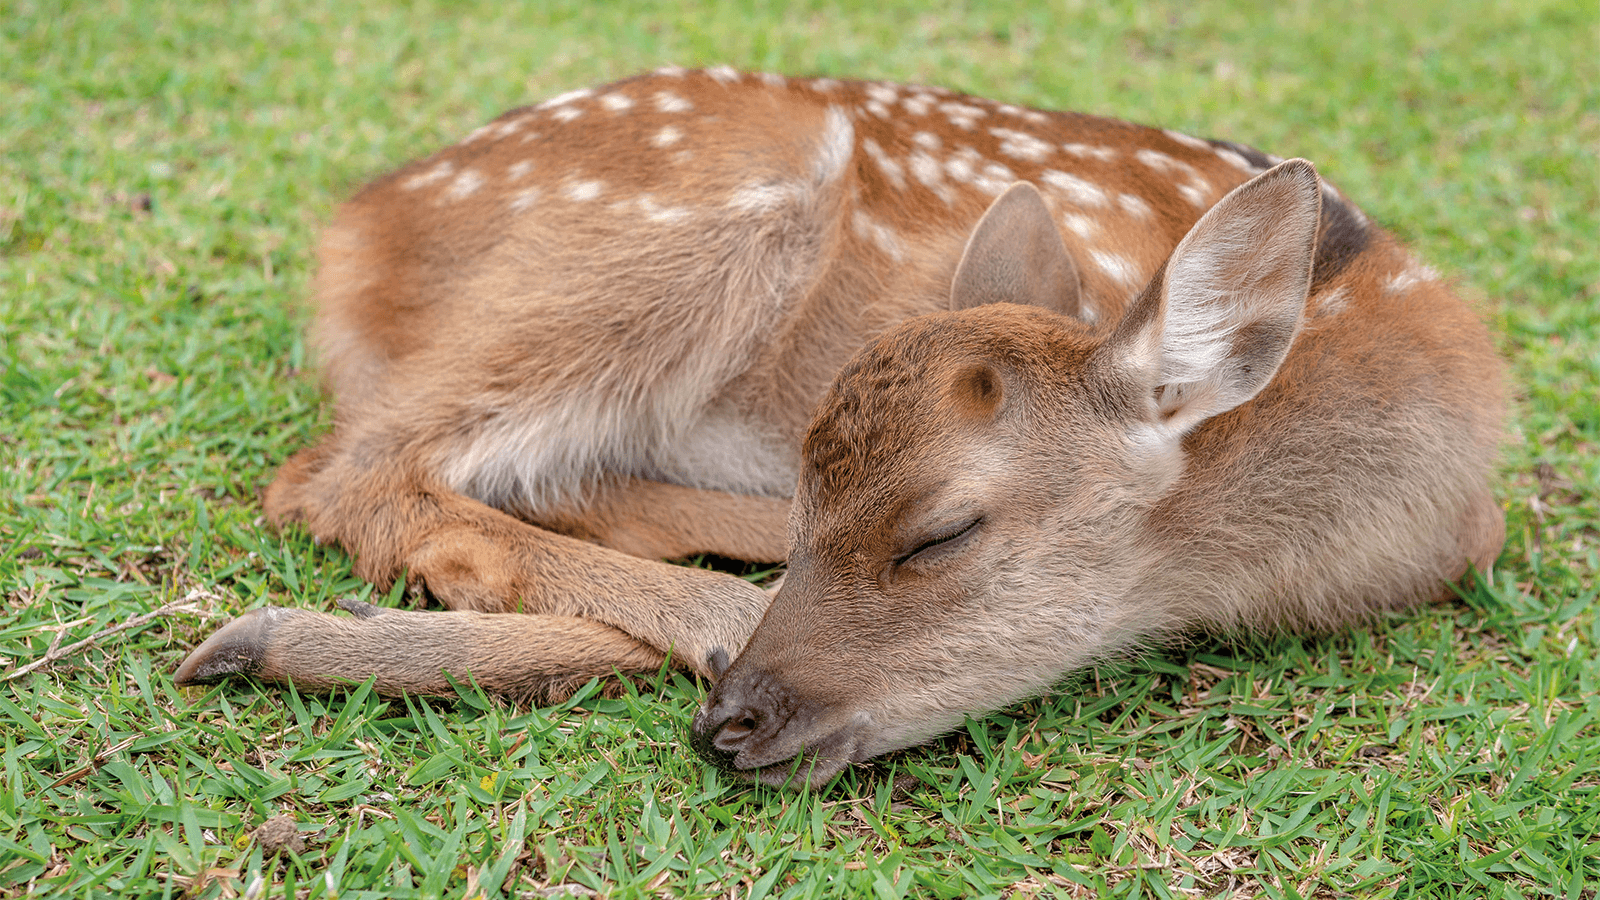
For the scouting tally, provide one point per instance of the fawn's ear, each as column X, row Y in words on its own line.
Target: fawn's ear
column 1211, row 330
column 1015, row 255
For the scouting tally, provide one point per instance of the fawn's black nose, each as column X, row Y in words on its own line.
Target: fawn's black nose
column 720, row 730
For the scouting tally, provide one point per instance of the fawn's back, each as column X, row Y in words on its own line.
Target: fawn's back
column 637, row 277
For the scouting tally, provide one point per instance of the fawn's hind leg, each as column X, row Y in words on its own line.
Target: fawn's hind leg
column 654, row 520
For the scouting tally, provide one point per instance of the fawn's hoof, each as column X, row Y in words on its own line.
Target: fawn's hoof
column 238, row 648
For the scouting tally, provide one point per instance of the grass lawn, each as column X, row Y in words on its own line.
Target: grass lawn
column 164, row 169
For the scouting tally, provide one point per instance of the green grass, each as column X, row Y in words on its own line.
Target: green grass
column 164, row 169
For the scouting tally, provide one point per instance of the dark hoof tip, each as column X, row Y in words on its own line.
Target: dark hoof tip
column 238, row 648
column 717, row 662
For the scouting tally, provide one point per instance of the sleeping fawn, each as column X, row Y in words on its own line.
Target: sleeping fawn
column 1010, row 390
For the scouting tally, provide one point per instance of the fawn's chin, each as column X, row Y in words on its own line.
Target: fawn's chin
column 777, row 765
column 806, row 770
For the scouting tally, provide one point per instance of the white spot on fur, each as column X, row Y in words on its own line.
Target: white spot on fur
column 1331, row 303
column 1081, row 225
column 582, row 190
column 877, row 109
column 667, row 136
column 962, row 115
column 773, row 80
column 823, row 84
column 762, row 196
column 963, row 165
column 655, row 212
column 508, row 128
column 891, row 169
column 566, row 113
column 926, row 140
column 1157, row 160
column 524, row 198
column 926, row 169
column 1235, row 160
column 878, row 233
column 668, row 102
column 1091, row 151
column 670, row 71
column 1409, row 278
column 883, row 93
column 993, row 178
column 724, row 74
column 568, row 97
column 1036, row 117
column 918, row 104
column 519, row 170
column 1117, row 266
column 1074, row 188
column 442, row 170
column 1008, row 109
column 1195, row 189
column 1022, row 145
column 1187, row 140
column 477, row 133
column 838, row 143
column 1134, row 205
column 465, row 185
column 616, row 102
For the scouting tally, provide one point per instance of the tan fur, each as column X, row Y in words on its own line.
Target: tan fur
column 615, row 328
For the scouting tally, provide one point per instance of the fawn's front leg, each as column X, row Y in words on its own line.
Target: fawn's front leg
column 475, row 558
column 396, row 518
column 591, row 609
column 532, row 658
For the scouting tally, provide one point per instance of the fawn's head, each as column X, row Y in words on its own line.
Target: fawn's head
column 967, row 525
